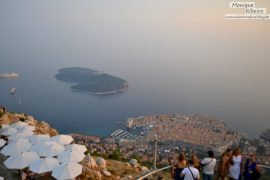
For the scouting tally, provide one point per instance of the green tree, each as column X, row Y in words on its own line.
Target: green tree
column 116, row 154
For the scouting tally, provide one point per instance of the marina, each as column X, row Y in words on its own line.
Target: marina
column 124, row 135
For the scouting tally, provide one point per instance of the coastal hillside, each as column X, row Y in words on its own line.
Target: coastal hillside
column 94, row 167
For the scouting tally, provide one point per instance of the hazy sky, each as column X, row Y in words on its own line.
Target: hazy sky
column 82, row 24
column 222, row 63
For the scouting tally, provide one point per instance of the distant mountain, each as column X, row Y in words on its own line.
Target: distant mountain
column 91, row 81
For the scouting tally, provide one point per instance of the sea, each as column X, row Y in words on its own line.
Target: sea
column 178, row 57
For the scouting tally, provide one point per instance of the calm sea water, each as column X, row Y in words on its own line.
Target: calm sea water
column 177, row 58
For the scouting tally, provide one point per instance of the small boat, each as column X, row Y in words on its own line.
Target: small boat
column 20, row 101
column 12, row 91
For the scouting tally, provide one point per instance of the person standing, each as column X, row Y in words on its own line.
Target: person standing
column 190, row 172
column 196, row 161
column 208, row 166
column 178, row 168
column 235, row 165
column 223, row 166
column 252, row 170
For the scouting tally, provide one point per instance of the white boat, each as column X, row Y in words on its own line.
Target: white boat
column 13, row 90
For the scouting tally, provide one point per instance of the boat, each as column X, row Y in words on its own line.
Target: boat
column 20, row 101
column 12, row 91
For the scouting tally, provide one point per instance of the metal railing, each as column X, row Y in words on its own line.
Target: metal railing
column 154, row 172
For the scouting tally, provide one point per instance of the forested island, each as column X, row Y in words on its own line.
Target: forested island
column 91, row 81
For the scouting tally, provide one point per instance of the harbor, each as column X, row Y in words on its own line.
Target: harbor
column 124, row 135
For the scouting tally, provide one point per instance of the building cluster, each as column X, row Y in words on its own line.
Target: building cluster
column 142, row 150
column 203, row 131
column 260, row 147
column 174, row 133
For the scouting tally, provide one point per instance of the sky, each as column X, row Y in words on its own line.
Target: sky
column 80, row 24
column 224, row 63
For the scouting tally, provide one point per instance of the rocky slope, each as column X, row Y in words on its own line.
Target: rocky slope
column 93, row 167
column 41, row 127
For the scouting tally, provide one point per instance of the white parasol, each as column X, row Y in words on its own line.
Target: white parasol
column 67, row 157
column 23, row 140
column 49, row 149
column 27, row 128
column 18, row 124
column 67, row 171
column 44, row 165
column 62, row 139
column 20, row 135
column 75, row 147
column 16, row 148
column 40, row 138
column 21, row 161
column 8, row 131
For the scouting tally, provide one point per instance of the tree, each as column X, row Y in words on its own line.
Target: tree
column 116, row 154
column 260, row 150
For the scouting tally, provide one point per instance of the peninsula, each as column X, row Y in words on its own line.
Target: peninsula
column 91, row 81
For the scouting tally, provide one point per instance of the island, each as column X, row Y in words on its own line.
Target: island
column 11, row 75
column 91, row 81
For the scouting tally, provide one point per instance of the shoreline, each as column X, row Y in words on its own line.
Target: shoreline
column 104, row 93
column 96, row 93
column 101, row 93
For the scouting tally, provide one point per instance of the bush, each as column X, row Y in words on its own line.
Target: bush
column 22, row 119
column 134, row 156
column 1, row 114
column 115, row 155
column 87, row 152
column 95, row 153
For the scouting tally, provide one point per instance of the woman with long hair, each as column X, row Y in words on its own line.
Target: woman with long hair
column 235, row 165
column 177, row 169
column 223, row 166
column 196, row 161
